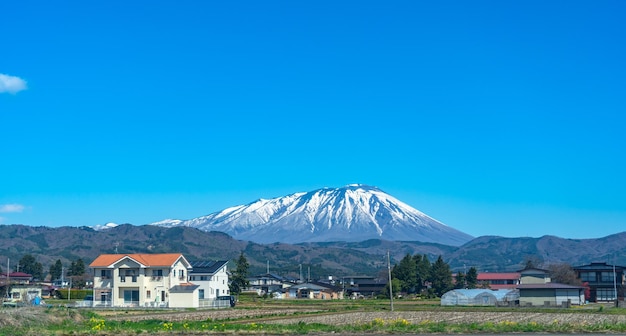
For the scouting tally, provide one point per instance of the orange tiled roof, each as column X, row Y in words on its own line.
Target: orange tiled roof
column 146, row 259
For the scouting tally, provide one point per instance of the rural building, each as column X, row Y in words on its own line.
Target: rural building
column 603, row 281
column 311, row 290
column 269, row 283
column 534, row 276
column 212, row 279
column 480, row 297
column 146, row 280
column 550, row 294
column 498, row 280
column 536, row 289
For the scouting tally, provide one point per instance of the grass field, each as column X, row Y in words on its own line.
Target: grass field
column 259, row 316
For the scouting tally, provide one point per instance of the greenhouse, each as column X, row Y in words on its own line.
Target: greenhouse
column 480, row 297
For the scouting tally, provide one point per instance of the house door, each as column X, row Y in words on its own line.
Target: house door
column 162, row 296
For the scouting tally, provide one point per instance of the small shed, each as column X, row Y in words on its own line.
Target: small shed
column 479, row 297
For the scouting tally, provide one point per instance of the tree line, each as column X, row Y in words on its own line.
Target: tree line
column 28, row 264
column 417, row 275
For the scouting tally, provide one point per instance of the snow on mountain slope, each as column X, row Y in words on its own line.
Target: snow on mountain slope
column 352, row 213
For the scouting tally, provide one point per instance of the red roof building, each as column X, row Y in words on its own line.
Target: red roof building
column 499, row 280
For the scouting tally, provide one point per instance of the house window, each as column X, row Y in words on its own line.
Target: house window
column 588, row 276
column 605, row 294
column 607, row 277
column 181, row 274
column 131, row 296
column 204, row 278
column 148, row 294
column 201, row 294
column 105, row 274
column 157, row 272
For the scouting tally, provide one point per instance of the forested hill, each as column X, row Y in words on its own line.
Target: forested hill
column 488, row 253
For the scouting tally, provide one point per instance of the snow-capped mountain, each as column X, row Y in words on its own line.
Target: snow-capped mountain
column 355, row 212
column 101, row 227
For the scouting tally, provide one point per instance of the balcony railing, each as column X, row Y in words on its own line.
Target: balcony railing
column 133, row 278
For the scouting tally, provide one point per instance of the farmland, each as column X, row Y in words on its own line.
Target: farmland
column 313, row 317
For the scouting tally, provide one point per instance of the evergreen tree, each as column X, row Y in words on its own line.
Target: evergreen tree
column 406, row 272
column 423, row 271
column 441, row 277
column 28, row 264
column 460, row 281
column 239, row 279
column 55, row 270
column 71, row 269
column 77, row 267
column 472, row 277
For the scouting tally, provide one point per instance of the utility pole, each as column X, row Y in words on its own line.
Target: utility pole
column 8, row 278
column 390, row 284
column 615, row 285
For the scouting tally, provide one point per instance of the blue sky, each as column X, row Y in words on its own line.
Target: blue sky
column 494, row 117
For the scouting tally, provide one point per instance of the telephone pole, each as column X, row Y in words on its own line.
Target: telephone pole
column 390, row 284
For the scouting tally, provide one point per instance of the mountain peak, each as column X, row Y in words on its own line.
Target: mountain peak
column 355, row 212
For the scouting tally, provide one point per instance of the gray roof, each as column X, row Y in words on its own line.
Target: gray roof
column 598, row 266
column 183, row 289
column 311, row 286
column 203, row 266
column 549, row 285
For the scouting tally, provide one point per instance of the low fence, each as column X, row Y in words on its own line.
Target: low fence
column 213, row 303
column 203, row 303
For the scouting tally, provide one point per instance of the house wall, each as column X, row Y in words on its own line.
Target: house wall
column 220, row 283
column 25, row 293
column 537, row 297
column 215, row 285
column 575, row 296
column 534, row 279
column 184, row 300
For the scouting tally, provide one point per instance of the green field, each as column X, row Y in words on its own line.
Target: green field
column 262, row 316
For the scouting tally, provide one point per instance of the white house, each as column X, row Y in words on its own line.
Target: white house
column 212, row 279
column 143, row 280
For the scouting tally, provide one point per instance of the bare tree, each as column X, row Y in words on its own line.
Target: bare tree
column 563, row 273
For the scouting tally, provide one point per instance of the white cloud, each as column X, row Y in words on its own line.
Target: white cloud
column 11, row 208
column 11, row 84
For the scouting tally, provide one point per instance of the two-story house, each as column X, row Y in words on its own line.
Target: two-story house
column 212, row 279
column 268, row 283
column 536, row 288
column 603, row 281
column 146, row 280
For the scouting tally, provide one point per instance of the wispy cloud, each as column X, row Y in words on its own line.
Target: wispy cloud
column 11, row 84
column 11, row 208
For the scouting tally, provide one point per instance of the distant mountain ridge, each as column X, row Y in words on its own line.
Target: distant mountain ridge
column 487, row 253
column 352, row 213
